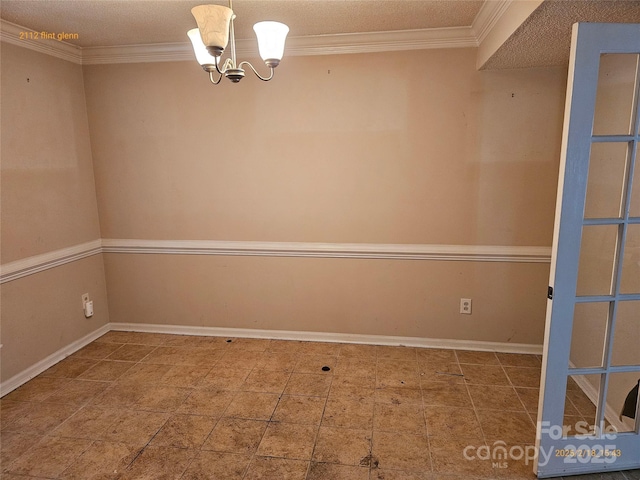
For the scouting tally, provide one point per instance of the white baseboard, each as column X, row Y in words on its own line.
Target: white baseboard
column 333, row 337
column 26, row 375
column 36, row 369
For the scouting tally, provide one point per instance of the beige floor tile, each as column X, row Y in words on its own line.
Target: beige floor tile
column 90, row 423
column 401, row 451
column 124, row 394
column 452, row 422
column 106, row 370
column 404, row 418
column 285, row 346
column 208, row 402
column 383, row 474
column 491, row 397
column 444, row 372
column 299, row 409
column 396, row 353
column 398, row 369
column 519, row 360
column 288, row 440
column 142, row 338
column 102, row 460
column 267, row 468
column 225, row 378
column 308, row 384
column 252, row 405
column 184, row 431
column 197, row 341
column 582, row 403
column 344, row 446
column 319, row 348
column 217, row 466
column 458, row 456
column 185, row 375
column 278, row 361
column 445, row 394
column 398, row 396
column 97, row 350
column 10, row 411
column 360, row 367
column 269, row 381
column 485, row 374
column 50, row 457
column 135, row 428
column 348, row 413
column 14, row 444
column 315, row 363
column 163, row 398
column 235, row 435
column 524, row 376
column 365, row 352
column 511, row 469
column 131, row 353
column 250, row 344
column 506, row 426
column 325, row 471
column 529, row 397
column 479, row 358
column 159, row 463
column 142, row 373
column 435, row 356
column 184, row 356
column 240, row 359
column 354, row 387
column 77, row 392
column 37, row 389
column 40, row 418
column 69, row 368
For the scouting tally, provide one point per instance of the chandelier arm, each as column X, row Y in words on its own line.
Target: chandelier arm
column 215, row 82
column 264, row 79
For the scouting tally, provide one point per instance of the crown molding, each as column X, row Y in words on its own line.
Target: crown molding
column 372, row 42
column 10, row 33
column 489, row 14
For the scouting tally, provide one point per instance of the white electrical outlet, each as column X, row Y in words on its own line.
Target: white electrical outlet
column 87, row 305
column 465, row 306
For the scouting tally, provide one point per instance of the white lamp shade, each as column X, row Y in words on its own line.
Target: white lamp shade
column 199, row 48
column 213, row 22
column 271, row 37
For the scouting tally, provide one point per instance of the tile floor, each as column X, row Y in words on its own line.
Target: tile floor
column 140, row 405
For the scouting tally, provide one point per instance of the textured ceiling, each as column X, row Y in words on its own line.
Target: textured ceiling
column 544, row 38
column 130, row 22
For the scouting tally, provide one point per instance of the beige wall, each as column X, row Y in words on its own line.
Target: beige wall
column 403, row 147
column 332, row 150
column 48, row 202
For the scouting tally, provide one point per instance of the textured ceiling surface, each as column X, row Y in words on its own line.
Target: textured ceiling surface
column 544, row 38
column 131, row 22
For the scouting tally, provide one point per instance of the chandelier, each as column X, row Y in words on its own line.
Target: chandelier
column 215, row 31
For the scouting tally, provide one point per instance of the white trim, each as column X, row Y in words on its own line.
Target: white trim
column 474, row 253
column 38, row 263
column 487, row 17
column 332, row 337
column 429, row 38
column 36, row 369
column 468, row 253
column 10, row 33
